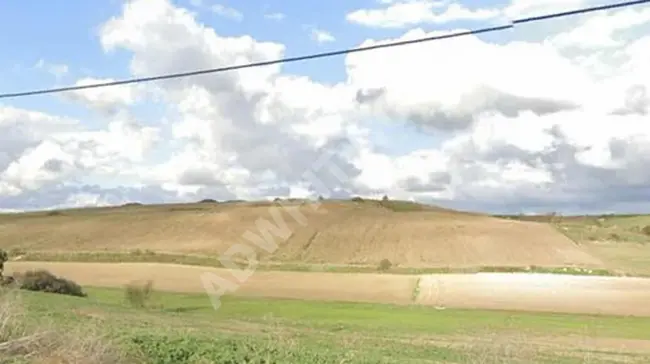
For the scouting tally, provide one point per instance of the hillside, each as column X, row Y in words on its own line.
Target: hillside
column 365, row 232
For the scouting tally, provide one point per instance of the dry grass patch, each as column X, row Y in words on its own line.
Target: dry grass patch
column 138, row 294
column 25, row 341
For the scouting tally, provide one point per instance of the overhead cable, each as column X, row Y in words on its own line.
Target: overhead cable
column 511, row 25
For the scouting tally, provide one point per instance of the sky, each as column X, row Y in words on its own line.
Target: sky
column 545, row 117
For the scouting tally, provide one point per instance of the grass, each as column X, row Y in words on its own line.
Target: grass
column 148, row 256
column 184, row 328
column 613, row 228
column 634, row 257
column 621, row 241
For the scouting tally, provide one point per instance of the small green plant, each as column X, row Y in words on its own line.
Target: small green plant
column 44, row 281
column 176, row 349
column 138, row 294
column 385, row 265
column 140, row 252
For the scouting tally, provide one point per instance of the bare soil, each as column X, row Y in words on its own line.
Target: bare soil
column 336, row 233
column 528, row 292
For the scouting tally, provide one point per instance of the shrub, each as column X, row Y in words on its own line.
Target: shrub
column 16, row 252
column 132, row 204
column 208, row 200
column 320, row 198
column 385, row 265
column 385, row 198
column 356, row 199
column 646, row 230
column 44, row 281
column 138, row 294
column 6, row 281
column 146, row 252
column 614, row 237
column 4, row 257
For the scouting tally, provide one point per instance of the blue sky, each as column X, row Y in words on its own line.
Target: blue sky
column 67, row 32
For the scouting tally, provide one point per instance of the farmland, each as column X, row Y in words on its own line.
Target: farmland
column 362, row 281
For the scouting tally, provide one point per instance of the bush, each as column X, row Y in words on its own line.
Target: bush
column 7, row 281
column 356, row 199
column 385, row 265
column 4, row 257
column 646, row 230
column 385, row 198
column 208, row 200
column 614, row 237
column 16, row 252
column 132, row 204
column 138, row 294
column 44, row 281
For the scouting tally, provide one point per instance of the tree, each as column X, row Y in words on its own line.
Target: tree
column 385, row 198
column 385, row 265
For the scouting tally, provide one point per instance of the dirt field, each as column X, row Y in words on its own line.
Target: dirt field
column 534, row 292
column 338, row 233
column 538, row 292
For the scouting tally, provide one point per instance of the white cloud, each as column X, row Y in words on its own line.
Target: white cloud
column 527, row 125
column 105, row 99
column 227, row 12
column 518, row 9
column 238, row 121
column 600, row 31
column 442, row 85
column 413, row 12
column 42, row 150
column 322, row 36
column 275, row 16
column 57, row 70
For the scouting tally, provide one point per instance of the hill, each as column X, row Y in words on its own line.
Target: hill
column 339, row 232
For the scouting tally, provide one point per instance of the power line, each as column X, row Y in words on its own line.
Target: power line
column 330, row 54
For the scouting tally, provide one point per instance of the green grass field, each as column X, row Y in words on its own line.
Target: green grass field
column 612, row 228
column 184, row 328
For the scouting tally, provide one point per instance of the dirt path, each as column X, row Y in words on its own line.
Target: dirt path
column 532, row 292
